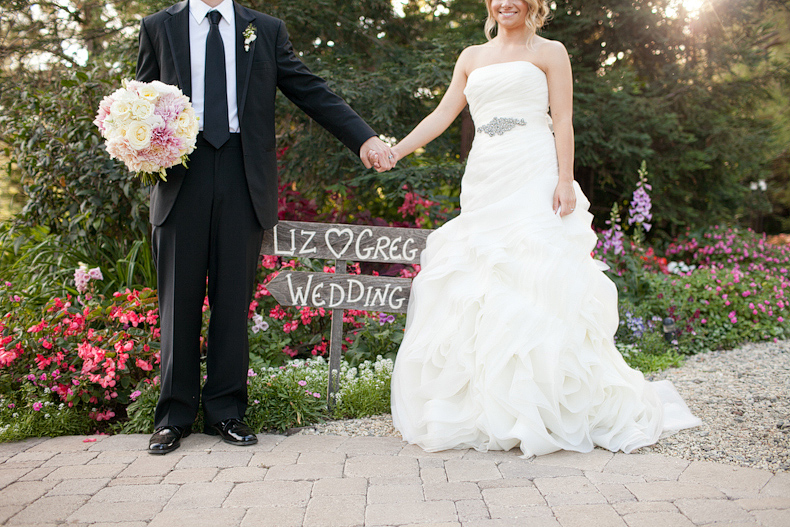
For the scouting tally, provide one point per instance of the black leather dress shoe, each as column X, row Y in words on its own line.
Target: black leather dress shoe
column 167, row 438
column 233, row 431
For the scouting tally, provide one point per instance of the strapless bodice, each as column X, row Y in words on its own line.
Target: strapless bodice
column 507, row 90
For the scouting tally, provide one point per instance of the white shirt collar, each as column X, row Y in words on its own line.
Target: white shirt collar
column 198, row 10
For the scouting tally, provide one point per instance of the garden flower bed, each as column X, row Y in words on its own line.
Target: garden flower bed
column 84, row 362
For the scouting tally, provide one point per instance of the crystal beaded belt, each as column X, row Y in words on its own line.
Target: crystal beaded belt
column 500, row 125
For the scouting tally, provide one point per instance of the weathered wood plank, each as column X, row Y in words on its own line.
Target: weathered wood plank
column 337, row 291
column 335, row 346
column 361, row 243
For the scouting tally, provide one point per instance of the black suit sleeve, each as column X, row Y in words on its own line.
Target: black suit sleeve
column 147, row 65
column 310, row 93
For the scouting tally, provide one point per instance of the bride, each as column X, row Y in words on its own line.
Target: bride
column 509, row 337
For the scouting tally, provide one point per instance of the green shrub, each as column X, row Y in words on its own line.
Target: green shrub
column 291, row 396
column 22, row 417
column 365, row 390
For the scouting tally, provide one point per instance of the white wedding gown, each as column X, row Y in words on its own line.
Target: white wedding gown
column 509, row 338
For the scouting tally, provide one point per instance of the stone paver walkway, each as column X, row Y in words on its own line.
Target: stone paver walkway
column 332, row 481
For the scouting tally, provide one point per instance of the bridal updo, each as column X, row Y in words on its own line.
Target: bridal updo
column 538, row 14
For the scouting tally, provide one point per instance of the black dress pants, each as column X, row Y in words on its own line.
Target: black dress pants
column 211, row 233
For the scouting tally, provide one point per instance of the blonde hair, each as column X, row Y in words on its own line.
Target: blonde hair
column 537, row 15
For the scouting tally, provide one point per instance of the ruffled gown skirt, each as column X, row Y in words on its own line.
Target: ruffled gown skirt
column 509, row 336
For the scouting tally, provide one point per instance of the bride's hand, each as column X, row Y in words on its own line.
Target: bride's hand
column 564, row 197
column 374, row 160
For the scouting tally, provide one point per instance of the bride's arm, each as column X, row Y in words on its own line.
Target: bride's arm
column 560, row 81
column 438, row 120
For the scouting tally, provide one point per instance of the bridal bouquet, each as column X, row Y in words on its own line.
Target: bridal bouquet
column 150, row 126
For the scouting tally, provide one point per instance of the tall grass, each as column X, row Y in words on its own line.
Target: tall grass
column 41, row 265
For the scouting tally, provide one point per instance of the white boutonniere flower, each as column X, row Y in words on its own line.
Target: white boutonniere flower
column 250, row 34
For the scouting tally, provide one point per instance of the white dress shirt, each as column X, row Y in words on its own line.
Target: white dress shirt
column 198, row 33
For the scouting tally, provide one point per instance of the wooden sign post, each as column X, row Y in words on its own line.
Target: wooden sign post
column 340, row 291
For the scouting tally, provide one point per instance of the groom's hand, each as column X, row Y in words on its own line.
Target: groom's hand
column 376, row 154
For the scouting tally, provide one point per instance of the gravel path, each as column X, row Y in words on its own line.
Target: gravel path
column 741, row 395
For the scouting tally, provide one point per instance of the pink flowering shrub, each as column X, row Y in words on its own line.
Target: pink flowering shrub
column 722, row 307
column 86, row 353
column 729, row 246
column 420, row 212
column 722, row 287
column 736, row 288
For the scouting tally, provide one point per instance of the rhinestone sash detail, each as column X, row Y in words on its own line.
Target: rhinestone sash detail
column 500, row 125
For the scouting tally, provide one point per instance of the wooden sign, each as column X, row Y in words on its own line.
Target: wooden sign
column 338, row 291
column 359, row 243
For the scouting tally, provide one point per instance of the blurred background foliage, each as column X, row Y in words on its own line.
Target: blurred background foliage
column 702, row 96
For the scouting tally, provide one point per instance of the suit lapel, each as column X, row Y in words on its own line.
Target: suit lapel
column 177, row 27
column 243, row 57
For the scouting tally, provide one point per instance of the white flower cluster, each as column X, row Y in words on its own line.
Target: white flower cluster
column 627, row 350
column 680, row 268
column 371, row 375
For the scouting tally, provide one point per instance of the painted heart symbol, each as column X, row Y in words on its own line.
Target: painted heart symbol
column 339, row 233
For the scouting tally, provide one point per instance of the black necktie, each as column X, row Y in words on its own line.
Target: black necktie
column 215, row 106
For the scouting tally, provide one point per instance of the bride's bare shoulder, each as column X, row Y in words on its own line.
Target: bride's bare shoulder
column 474, row 56
column 470, row 57
column 549, row 48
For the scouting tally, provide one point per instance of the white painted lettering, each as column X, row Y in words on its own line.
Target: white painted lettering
column 396, row 303
column 379, row 296
column 341, row 293
column 369, row 250
column 409, row 255
column 316, row 296
column 381, row 244
column 394, row 248
column 351, row 283
column 304, row 250
column 277, row 250
column 299, row 298
column 367, row 297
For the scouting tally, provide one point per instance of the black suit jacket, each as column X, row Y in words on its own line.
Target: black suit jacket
column 270, row 63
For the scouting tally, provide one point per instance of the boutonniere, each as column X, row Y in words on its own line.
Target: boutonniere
column 250, row 34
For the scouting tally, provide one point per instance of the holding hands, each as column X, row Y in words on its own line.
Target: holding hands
column 376, row 154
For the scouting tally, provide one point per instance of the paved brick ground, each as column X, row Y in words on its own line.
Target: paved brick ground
column 330, row 481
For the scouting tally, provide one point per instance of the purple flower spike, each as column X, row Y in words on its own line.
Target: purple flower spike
column 639, row 210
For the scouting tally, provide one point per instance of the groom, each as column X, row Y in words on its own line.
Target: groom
column 208, row 220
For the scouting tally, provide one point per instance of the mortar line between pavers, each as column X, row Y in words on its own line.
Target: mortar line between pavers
column 683, row 472
column 310, row 497
column 773, row 475
column 106, row 485
column 27, row 471
column 367, row 503
column 483, row 499
column 607, row 463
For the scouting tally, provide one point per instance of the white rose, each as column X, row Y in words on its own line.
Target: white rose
column 139, row 135
column 118, row 130
column 148, row 92
column 142, row 109
column 163, row 88
column 186, row 124
column 120, row 110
